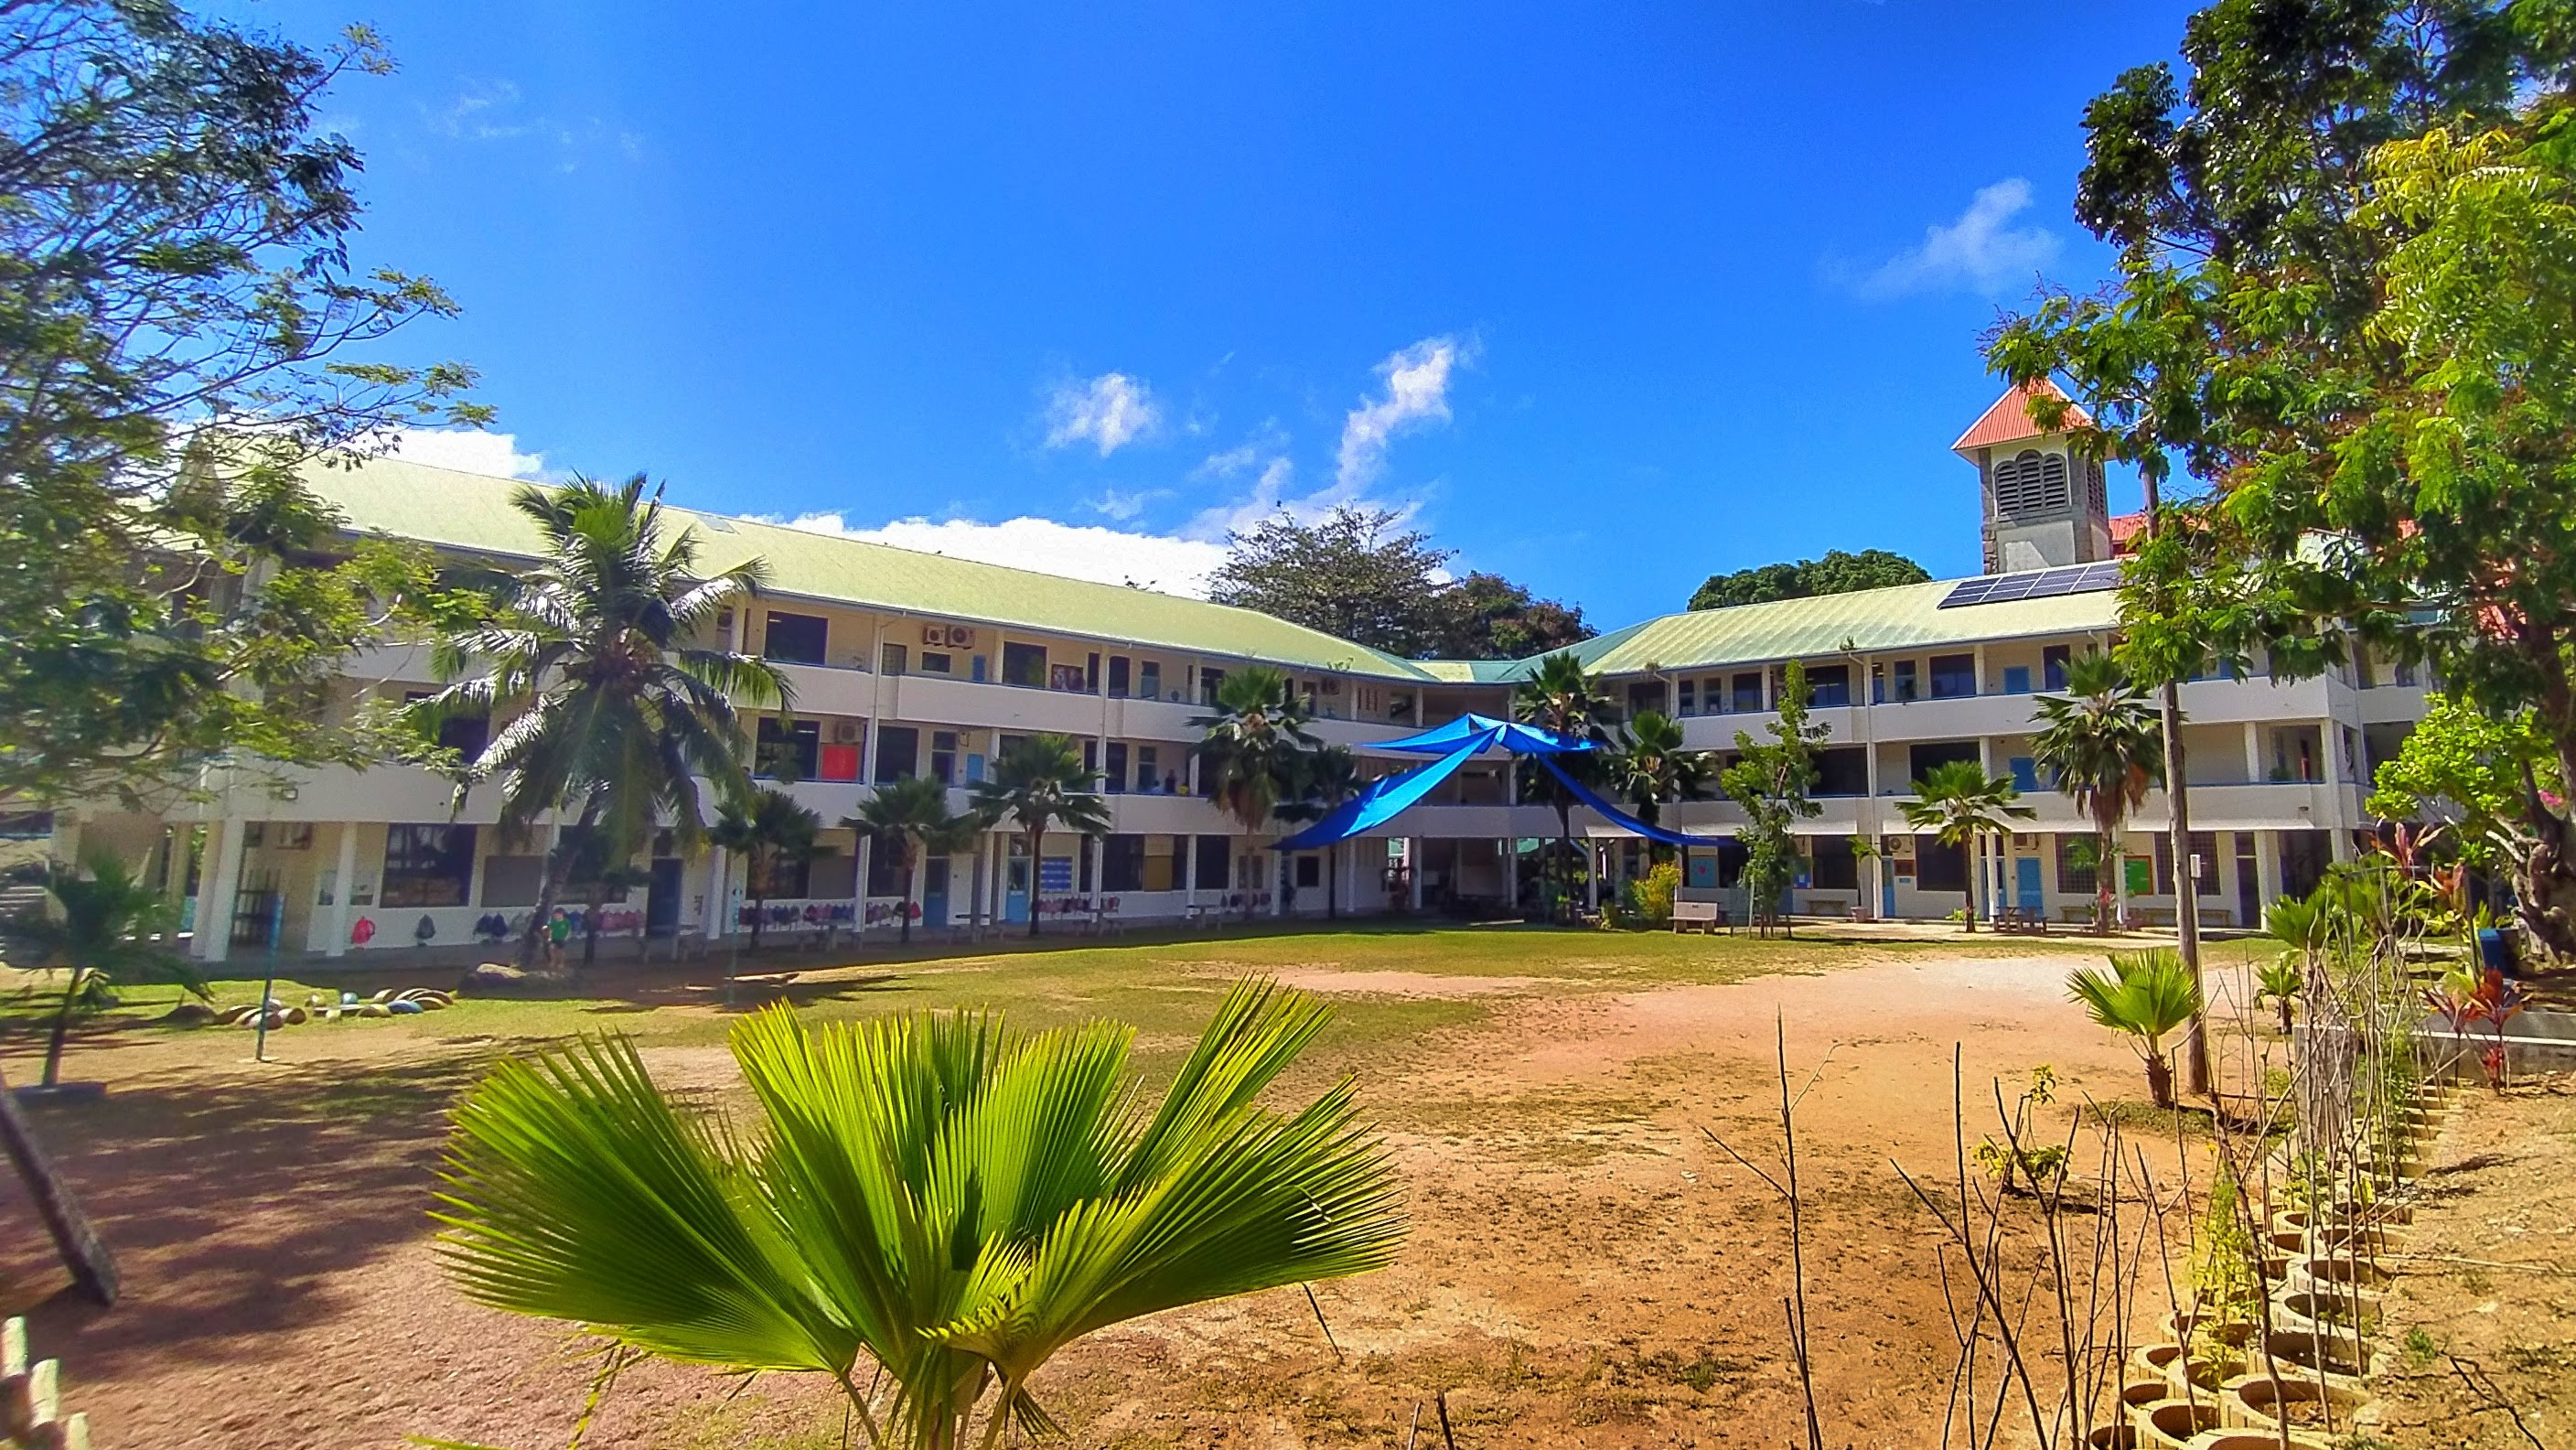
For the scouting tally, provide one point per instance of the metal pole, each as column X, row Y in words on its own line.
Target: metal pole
column 276, row 933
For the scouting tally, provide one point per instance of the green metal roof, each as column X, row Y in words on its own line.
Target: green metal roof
column 1906, row 616
column 471, row 512
column 1473, row 672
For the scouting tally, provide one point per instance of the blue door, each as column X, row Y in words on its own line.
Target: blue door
column 2026, row 890
column 2016, row 679
column 2025, row 774
column 934, row 891
column 1015, row 894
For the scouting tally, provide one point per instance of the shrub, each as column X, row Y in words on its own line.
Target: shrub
column 1651, row 896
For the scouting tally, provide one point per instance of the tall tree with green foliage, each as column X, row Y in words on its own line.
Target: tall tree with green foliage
column 1359, row 574
column 1773, row 783
column 909, row 820
column 1041, row 785
column 184, row 335
column 1488, row 617
column 1567, row 701
column 604, row 702
column 770, row 831
column 2477, row 772
column 1961, row 806
column 2103, row 743
column 1254, row 750
column 1838, row 572
column 933, row 1199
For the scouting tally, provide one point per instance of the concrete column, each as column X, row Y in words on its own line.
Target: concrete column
column 1274, row 871
column 2253, row 752
column 920, row 875
column 219, row 880
column 1413, row 872
column 1512, row 875
column 1091, row 853
column 715, row 920
column 344, row 882
column 2267, row 867
column 181, row 851
column 866, row 848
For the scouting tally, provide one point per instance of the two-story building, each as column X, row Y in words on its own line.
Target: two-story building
column 911, row 664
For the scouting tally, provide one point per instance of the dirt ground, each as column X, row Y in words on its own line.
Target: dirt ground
column 1586, row 1269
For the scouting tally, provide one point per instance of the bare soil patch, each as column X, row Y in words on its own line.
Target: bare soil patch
column 1586, row 1270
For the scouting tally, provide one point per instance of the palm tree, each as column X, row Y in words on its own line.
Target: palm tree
column 1961, row 805
column 1041, row 784
column 604, row 705
column 909, row 819
column 768, row 832
column 1651, row 766
column 2104, row 743
column 1254, row 749
column 1328, row 778
column 2305, row 929
column 933, row 1198
column 97, row 923
column 2143, row 996
column 1561, row 699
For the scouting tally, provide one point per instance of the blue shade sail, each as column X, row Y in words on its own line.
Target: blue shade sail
column 1456, row 743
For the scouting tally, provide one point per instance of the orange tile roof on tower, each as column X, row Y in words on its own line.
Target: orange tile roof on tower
column 2009, row 420
column 2125, row 529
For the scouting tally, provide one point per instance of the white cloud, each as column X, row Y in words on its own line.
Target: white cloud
column 1076, row 551
column 1110, row 412
column 469, row 450
column 490, row 111
column 1980, row 252
column 1417, row 393
column 1125, row 504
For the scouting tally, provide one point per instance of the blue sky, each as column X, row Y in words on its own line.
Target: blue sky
column 1611, row 297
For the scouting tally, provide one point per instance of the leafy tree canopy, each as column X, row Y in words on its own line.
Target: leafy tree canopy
column 1359, row 575
column 184, row 330
column 1839, row 572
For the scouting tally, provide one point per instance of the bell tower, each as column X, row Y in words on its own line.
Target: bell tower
column 2044, row 499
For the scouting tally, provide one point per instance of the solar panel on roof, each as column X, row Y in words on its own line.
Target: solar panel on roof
column 2037, row 584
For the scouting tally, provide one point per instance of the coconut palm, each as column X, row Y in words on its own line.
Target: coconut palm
column 1254, row 749
column 769, row 832
column 2103, row 741
column 1649, row 765
column 2143, row 996
column 605, row 705
column 932, row 1199
column 1560, row 698
column 1327, row 779
column 1961, row 805
column 97, row 923
column 909, row 819
column 1040, row 785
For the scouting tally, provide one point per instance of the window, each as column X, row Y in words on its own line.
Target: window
column 2016, row 679
column 2031, row 482
column 1024, row 664
column 1209, row 681
column 1835, row 867
column 2025, row 774
column 1921, row 759
column 1122, row 863
column 1938, row 867
column 1067, row 678
column 898, row 753
column 788, row 749
column 2074, row 875
column 2204, row 844
column 832, row 877
column 1215, row 855
column 464, row 734
column 427, row 865
column 1748, row 693
column 2052, row 666
column 1091, row 676
column 1116, row 775
column 1119, row 666
column 1149, row 778
column 797, row 639
column 1829, row 686
column 935, row 663
column 1149, row 680
column 1686, row 698
column 1645, row 695
column 1310, row 872
column 943, row 756
column 1953, row 676
column 883, row 879
column 1842, row 770
column 1909, row 684
column 893, row 659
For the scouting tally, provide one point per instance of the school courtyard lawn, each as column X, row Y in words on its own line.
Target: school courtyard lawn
column 1586, row 1268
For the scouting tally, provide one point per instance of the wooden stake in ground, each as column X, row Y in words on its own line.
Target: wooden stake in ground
column 93, row 1269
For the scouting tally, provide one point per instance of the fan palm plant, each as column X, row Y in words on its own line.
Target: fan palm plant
column 1254, row 750
column 2103, row 741
column 1040, row 785
column 97, row 923
column 1650, row 766
column 1961, row 805
column 1327, row 779
column 909, row 819
column 933, row 1197
column 1560, row 698
column 2143, row 996
column 2305, row 928
column 769, row 831
column 605, row 705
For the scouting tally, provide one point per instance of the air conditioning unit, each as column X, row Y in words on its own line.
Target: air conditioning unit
column 960, row 637
column 934, row 634
column 845, row 732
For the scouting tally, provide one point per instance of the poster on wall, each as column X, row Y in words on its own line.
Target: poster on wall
column 2142, row 875
column 1055, row 873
